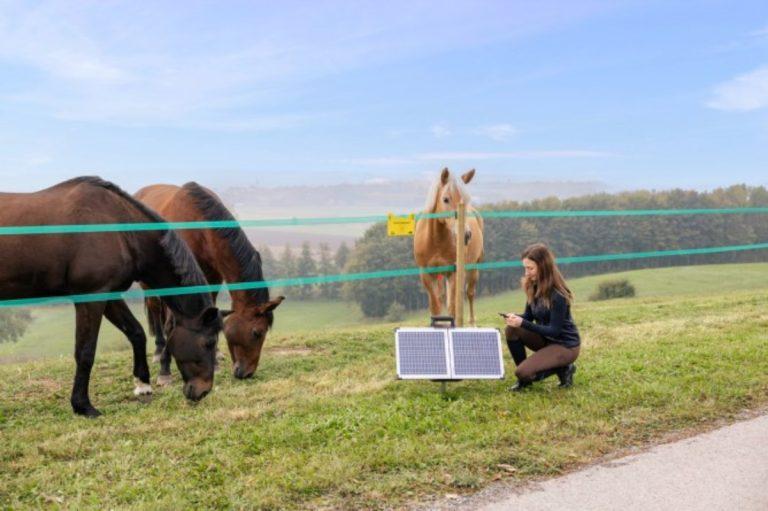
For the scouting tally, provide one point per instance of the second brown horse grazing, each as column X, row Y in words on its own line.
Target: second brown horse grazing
column 223, row 255
column 43, row 265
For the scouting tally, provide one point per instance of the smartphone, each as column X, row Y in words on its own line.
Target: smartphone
column 503, row 314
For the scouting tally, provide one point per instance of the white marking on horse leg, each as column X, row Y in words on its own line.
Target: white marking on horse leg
column 141, row 389
column 164, row 379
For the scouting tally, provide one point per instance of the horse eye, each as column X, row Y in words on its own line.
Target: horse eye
column 446, row 200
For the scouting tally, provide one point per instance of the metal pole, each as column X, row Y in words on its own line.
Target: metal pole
column 461, row 223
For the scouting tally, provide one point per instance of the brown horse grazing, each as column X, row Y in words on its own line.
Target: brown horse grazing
column 62, row 264
column 434, row 242
column 223, row 255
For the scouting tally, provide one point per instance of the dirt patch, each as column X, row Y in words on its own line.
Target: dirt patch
column 47, row 384
column 290, row 352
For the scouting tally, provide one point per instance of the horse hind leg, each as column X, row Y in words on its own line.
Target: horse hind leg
column 120, row 315
column 87, row 323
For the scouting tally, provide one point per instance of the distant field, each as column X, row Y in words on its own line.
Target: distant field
column 325, row 424
column 52, row 332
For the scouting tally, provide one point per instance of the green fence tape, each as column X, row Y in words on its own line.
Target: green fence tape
column 348, row 277
column 287, row 222
column 621, row 212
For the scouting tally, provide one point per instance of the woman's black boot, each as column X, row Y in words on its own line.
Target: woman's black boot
column 565, row 375
column 520, row 386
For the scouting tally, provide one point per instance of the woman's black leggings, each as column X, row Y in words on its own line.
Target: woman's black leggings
column 547, row 356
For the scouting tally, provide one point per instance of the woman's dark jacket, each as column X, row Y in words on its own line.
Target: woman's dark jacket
column 555, row 324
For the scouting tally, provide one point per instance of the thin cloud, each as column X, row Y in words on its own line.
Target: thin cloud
column 440, row 131
column 527, row 155
column 135, row 62
column 392, row 161
column 379, row 162
column 497, row 132
column 742, row 94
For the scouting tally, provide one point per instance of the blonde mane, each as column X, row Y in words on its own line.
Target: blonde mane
column 454, row 186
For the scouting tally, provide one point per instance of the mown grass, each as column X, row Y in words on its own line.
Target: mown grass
column 325, row 423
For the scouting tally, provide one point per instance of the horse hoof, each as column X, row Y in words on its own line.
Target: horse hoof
column 142, row 389
column 88, row 411
column 164, row 380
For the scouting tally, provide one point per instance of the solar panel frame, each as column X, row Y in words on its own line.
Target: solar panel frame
column 400, row 348
column 448, row 354
column 490, row 355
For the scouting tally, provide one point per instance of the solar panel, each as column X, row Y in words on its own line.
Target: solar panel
column 448, row 354
column 422, row 353
column 476, row 353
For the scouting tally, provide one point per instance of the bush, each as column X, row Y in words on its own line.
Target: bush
column 613, row 289
column 396, row 312
column 13, row 324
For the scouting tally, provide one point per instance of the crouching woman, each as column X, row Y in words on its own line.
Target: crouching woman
column 546, row 327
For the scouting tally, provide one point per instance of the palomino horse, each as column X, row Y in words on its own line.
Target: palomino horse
column 62, row 264
column 434, row 242
column 224, row 255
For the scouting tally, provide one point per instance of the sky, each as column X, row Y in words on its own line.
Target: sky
column 634, row 94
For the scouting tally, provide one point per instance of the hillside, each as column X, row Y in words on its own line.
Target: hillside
column 325, row 423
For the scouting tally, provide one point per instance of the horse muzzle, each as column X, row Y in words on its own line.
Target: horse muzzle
column 242, row 374
column 193, row 393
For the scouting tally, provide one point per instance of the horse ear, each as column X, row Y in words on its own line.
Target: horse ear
column 444, row 175
column 468, row 176
column 272, row 304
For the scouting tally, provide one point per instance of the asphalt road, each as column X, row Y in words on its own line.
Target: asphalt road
column 725, row 469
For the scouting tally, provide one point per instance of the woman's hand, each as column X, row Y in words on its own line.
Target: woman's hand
column 513, row 320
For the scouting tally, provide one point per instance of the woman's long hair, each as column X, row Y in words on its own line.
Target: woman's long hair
column 549, row 277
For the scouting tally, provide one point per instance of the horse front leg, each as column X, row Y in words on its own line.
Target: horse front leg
column 450, row 291
column 87, row 324
column 155, row 319
column 472, row 277
column 429, row 281
column 118, row 313
column 164, row 376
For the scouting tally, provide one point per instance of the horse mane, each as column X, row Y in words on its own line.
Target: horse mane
column 247, row 257
column 454, row 185
column 183, row 261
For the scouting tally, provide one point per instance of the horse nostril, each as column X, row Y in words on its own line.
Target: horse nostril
column 238, row 373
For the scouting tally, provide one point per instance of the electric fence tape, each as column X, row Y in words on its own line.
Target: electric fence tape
column 349, row 277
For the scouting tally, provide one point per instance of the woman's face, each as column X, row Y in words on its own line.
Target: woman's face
column 531, row 270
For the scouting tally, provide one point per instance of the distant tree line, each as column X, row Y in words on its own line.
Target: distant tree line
column 506, row 238
column 13, row 324
column 306, row 264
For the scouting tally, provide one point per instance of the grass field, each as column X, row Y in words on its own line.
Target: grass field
column 326, row 424
column 51, row 335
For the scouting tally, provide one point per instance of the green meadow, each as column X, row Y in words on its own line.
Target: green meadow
column 325, row 423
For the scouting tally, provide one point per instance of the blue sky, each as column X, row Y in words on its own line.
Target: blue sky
column 652, row 94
